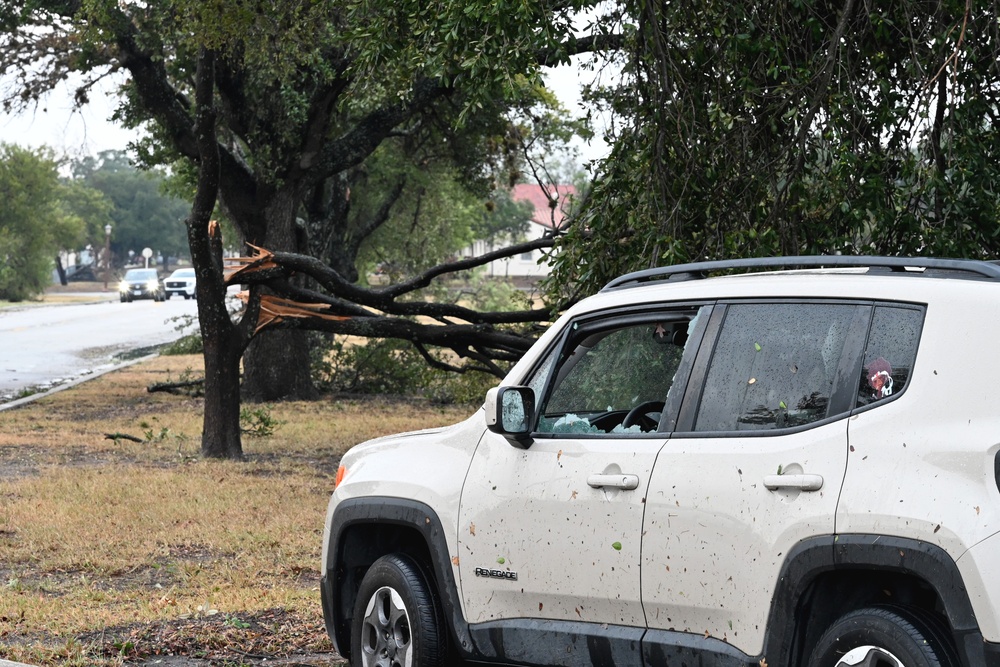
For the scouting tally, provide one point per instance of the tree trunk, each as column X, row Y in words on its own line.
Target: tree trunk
column 276, row 363
column 61, row 271
column 221, row 427
column 277, row 367
column 222, row 339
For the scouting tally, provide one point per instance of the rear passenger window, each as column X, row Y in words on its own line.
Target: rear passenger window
column 892, row 346
column 774, row 366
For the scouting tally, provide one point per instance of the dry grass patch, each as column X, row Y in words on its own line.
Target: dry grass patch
column 118, row 539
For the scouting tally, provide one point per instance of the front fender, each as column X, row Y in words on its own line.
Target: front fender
column 385, row 511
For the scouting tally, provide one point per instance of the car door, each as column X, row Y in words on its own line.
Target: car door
column 754, row 467
column 552, row 531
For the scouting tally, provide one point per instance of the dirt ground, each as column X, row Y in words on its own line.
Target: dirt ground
column 236, row 640
column 271, row 637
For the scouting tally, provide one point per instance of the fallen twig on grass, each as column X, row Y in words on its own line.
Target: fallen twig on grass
column 184, row 388
column 122, row 436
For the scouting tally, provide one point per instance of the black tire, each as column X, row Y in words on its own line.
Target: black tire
column 885, row 637
column 168, row 295
column 398, row 620
column 124, row 299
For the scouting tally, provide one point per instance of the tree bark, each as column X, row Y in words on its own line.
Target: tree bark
column 277, row 367
column 61, row 271
column 223, row 340
column 221, row 427
column 277, row 362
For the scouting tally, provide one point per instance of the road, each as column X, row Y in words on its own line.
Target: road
column 44, row 346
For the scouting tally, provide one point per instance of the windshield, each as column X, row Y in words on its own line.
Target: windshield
column 140, row 274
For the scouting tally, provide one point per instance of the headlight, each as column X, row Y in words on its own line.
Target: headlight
column 152, row 286
column 123, row 286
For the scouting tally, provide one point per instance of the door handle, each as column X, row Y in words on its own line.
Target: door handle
column 619, row 481
column 800, row 482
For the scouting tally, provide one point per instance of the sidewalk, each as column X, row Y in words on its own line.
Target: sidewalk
column 80, row 292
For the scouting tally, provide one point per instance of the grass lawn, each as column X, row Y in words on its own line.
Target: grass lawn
column 119, row 552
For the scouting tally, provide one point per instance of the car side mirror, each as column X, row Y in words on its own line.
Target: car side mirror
column 509, row 412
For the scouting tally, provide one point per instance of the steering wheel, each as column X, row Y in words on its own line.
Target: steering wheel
column 638, row 415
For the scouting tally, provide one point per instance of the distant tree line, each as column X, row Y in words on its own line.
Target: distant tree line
column 54, row 206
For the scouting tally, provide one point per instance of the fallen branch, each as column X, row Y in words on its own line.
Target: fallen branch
column 122, row 436
column 178, row 388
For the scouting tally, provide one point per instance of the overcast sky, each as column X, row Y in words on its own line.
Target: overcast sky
column 75, row 133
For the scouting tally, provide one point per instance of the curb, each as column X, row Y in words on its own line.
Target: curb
column 8, row 663
column 66, row 385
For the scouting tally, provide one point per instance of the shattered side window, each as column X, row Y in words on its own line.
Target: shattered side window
column 616, row 380
column 774, row 366
column 889, row 356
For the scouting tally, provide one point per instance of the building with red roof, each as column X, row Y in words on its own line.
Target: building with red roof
column 550, row 206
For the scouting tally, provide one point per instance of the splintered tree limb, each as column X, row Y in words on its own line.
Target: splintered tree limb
column 272, row 269
column 236, row 269
column 465, row 339
column 443, row 312
column 274, row 310
column 486, row 339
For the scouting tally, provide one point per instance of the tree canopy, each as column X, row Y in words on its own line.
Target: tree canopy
column 278, row 112
column 39, row 217
column 796, row 127
column 744, row 128
column 142, row 213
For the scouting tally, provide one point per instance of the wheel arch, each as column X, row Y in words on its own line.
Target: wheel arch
column 825, row 577
column 363, row 530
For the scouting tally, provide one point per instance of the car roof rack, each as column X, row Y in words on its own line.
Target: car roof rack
column 697, row 270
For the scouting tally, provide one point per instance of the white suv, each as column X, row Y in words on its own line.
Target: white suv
column 182, row 282
column 795, row 468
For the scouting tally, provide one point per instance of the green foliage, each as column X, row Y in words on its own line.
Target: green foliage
column 374, row 367
column 142, row 214
column 436, row 216
column 33, row 227
column 790, row 128
column 493, row 44
column 87, row 211
column 395, row 368
column 190, row 344
column 258, row 421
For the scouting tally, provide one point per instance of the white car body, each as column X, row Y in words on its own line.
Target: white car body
column 733, row 547
column 181, row 282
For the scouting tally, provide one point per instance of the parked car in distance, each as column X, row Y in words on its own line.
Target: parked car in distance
column 795, row 468
column 181, row 282
column 82, row 272
column 141, row 284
